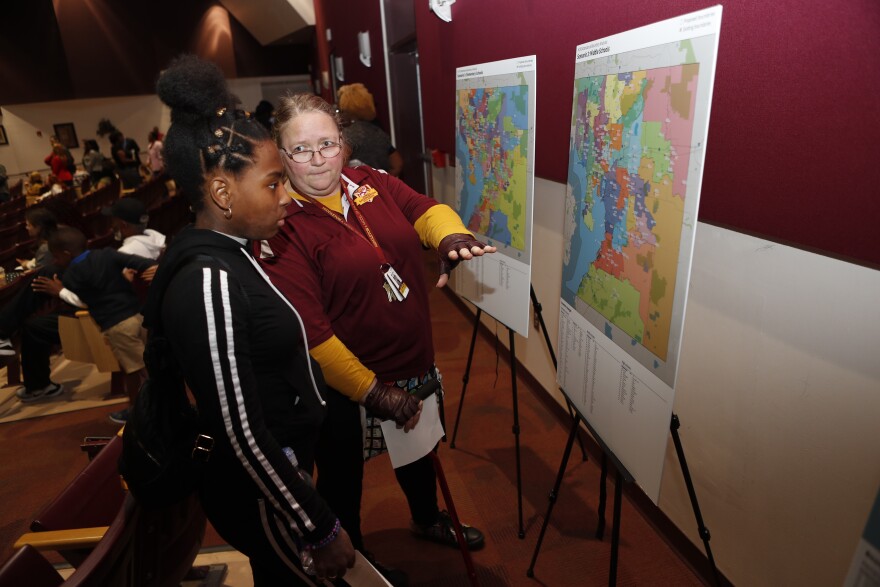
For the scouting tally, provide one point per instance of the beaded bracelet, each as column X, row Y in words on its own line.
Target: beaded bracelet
column 330, row 537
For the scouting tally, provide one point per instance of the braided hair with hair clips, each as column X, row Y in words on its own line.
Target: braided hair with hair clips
column 207, row 131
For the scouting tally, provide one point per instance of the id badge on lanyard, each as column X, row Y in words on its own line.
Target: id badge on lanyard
column 393, row 284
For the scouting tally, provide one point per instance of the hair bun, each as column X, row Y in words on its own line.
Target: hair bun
column 194, row 89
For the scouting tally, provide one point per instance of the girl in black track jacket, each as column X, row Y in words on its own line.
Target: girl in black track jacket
column 233, row 335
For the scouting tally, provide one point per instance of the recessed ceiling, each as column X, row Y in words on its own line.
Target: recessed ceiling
column 274, row 21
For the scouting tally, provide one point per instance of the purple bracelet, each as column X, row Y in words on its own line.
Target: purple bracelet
column 330, row 537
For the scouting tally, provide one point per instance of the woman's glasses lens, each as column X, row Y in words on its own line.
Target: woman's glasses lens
column 327, row 151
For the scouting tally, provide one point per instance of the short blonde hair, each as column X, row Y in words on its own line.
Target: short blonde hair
column 293, row 105
column 357, row 101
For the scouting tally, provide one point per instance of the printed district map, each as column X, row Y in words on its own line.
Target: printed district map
column 628, row 173
column 492, row 146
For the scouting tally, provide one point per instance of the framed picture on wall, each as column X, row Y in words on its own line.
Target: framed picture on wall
column 66, row 135
column 4, row 140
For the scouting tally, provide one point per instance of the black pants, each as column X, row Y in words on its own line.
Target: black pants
column 38, row 335
column 39, row 332
column 130, row 176
column 242, row 517
column 19, row 308
column 340, row 461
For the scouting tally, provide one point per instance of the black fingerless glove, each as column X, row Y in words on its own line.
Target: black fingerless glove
column 391, row 403
column 455, row 242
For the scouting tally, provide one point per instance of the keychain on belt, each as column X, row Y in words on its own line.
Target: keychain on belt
column 394, row 287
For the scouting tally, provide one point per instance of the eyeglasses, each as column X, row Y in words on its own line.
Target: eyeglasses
column 328, row 151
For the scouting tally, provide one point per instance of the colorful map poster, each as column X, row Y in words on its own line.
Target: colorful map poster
column 639, row 124
column 494, row 183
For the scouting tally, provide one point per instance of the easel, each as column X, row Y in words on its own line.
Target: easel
column 465, row 378
column 621, row 476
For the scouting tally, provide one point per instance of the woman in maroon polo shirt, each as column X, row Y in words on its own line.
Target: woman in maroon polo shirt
column 350, row 256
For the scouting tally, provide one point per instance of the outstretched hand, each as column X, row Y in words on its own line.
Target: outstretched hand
column 458, row 247
column 48, row 285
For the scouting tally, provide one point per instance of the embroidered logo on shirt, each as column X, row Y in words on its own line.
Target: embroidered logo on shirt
column 364, row 194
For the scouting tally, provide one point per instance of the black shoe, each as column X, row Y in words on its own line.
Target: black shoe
column 443, row 532
column 27, row 396
column 396, row 577
column 6, row 348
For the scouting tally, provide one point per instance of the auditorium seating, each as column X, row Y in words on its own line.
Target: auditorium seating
column 170, row 216
column 13, row 234
column 15, row 191
column 137, row 547
column 97, row 199
column 152, row 193
column 83, row 341
column 28, row 567
column 91, row 500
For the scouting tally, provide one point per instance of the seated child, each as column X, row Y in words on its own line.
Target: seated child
column 97, row 278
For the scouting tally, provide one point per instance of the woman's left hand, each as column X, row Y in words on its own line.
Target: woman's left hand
column 455, row 248
column 412, row 422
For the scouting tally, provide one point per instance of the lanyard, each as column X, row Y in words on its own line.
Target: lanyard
column 370, row 238
column 393, row 284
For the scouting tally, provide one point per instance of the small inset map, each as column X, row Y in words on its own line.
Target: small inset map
column 492, row 141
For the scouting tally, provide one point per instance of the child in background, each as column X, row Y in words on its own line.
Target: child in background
column 40, row 223
column 34, row 185
column 96, row 275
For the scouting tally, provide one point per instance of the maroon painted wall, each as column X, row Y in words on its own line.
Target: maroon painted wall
column 345, row 19
column 794, row 132
column 70, row 49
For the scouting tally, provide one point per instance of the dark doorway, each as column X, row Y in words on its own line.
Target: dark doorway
column 405, row 92
column 407, row 107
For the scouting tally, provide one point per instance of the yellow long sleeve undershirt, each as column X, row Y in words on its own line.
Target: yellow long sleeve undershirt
column 437, row 223
column 343, row 371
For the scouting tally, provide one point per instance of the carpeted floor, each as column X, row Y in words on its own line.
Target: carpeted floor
column 481, row 472
column 39, row 456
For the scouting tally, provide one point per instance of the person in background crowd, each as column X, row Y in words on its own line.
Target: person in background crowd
column 34, row 314
column 19, row 314
column 350, row 255
column 59, row 160
column 41, row 331
column 264, row 114
column 154, row 150
column 94, row 279
column 370, row 145
column 34, row 185
column 238, row 341
column 126, row 155
column 40, row 223
column 95, row 163
column 54, row 185
column 68, row 157
column 4, row 184
column 129, row 224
